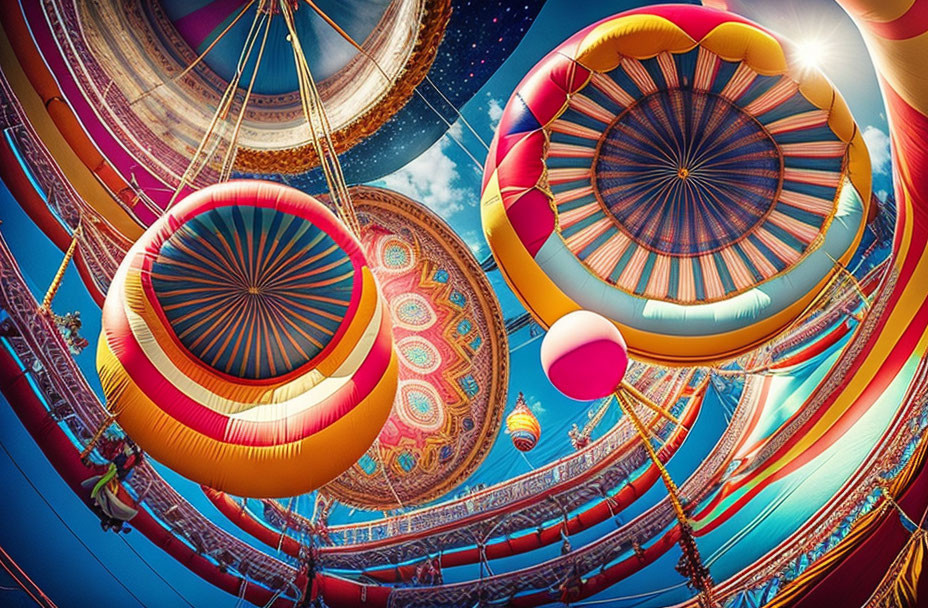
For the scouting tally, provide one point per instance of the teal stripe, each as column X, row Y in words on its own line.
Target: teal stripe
column 576, row 204
column 672, row 287
column 697, row 279
column 646, row 273
column 622, row 263
column 574, row 229
column 724, row 274
column 597, row 242
column 747, row 262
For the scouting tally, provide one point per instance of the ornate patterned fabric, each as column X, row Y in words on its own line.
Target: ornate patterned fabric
column 451, row 346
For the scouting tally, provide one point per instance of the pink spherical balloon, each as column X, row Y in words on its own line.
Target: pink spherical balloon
column 584, row 355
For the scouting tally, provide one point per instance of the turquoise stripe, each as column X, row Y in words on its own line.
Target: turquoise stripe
column 583, row 200
column 793, row 242
column 724, row 274
column 568, row 162
column 646, row 273
column 806, row 217
column 597, row 242
column 674, row 278
column 573, row 185
column 767, row 253
column 747, row 262
column 622, row 263
column 575, row 228
column 697, row 279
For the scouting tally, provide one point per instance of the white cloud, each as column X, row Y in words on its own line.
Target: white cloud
column 474, row 241
column 878, row 144
column 432, row 178
column 534, row 404
column 494, row 112
column 882, row 194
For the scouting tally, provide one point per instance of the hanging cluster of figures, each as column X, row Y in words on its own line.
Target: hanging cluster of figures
column 122, row 455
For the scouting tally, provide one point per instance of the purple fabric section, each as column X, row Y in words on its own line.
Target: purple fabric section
column 108, row 145
column 197, row 26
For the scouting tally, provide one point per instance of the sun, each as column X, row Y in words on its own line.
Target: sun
column 812, row 53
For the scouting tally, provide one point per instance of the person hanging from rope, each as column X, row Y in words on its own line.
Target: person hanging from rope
column 565, row 542
column 123, row 455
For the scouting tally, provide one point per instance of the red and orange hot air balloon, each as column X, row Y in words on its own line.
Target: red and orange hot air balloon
column 245, row 343
column 522, row 426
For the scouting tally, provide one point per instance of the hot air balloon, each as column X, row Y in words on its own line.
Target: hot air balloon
column 522, row 426
column 694, row 184
column 245, row 343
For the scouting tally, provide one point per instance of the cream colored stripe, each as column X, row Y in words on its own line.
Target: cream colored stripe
column 295, row 396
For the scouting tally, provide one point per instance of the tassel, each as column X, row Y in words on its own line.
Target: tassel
column 899, row 588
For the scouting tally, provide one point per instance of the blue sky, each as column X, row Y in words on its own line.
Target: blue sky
column 445, row 179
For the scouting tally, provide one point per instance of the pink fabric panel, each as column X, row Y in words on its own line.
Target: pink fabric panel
column 523, row 166
column 546, row 88
column 532, row 218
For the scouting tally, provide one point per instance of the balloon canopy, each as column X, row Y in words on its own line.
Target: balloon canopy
column 144, row 80
column 677, row 171
column 584, row 356
column 245, row 343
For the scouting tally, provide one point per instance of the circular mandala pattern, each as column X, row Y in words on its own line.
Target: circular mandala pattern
column 681, row 186
column 419, row 354
column 395, row 254
column 419, row 405
column 412, row 311
column 451, row 345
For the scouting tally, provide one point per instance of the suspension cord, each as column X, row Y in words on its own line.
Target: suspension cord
column 418, row 93
column 222, row 110
column 231, row 152
column 319, row 124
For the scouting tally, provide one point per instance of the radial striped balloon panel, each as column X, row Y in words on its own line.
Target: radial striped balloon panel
column 687, row 183
column 245, row 342
column 258, row 306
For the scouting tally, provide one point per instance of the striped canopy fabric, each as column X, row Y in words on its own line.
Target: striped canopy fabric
column 703, row 177
column 672, row 169
column 245, row 343
column 252, row 292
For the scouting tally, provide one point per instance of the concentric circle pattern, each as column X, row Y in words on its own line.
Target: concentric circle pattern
column 253, row 292
column 675, row 173
column 685, row 172
column 245, row 344
column 451, row 347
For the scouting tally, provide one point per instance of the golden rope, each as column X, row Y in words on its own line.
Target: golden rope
column 199, row 57
column 229, row 160
column 318, row 121
column 46, row 307
column 700, row 579
column 222, row 109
